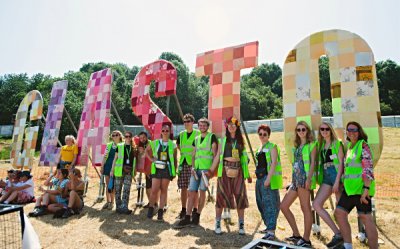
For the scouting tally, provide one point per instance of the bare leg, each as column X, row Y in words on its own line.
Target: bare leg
column 190, row 202
column 322, row 195
column 343, row 222
column 287, row 201
column 201, row 200
column 240, row 214
column 5, row 196
column 108, row 195
column 370, row 230
column 164, row 192
column 155, row 189
column 184, row 197
column 304, row 197
column 12, row 196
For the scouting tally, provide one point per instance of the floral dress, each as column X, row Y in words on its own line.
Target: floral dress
column 299, row 175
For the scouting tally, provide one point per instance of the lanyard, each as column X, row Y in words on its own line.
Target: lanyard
column 234, row 144
column 325, row 151
column 130, row 149
column 164, row 148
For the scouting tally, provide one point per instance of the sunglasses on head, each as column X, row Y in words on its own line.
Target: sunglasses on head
column 164, row 130
column 263, row 134
column 324, row 129
column 352, row 129
column 301, row 129
column 187, row 121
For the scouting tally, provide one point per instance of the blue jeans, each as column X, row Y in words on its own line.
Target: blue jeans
column 268, row 203
column 329, row 177
column 194, row 185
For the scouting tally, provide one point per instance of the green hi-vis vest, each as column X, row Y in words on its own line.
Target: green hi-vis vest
column 276, row 178
column 353, row 182
column 154, row 147
column 335, row 151
column 120, row 161
column 306, row 154
column 244, row 161
column 108, row 148
column 204, row 155
column 186, row 145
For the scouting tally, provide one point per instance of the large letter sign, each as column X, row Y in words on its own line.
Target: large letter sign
column 94, row 127
column 151, row 116
column 25, row 159
column 49, row 152
column 223, row 66
column 354, row 88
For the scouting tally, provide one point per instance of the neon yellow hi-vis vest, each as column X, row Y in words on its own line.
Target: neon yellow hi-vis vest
column 353, row 182
column 276, row 178
column 186, row 146
column 120, row 161
column 204, row 155
column 306, row 154
column 335, row 151
column 244, row 161
column 154, row 147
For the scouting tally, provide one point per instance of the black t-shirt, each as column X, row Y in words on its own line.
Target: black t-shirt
column 261, row 160
column 229, row 146
column 127, row 148
column 163, row 148
column 326, row 155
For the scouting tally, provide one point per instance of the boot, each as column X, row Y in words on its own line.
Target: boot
column 150, row 212
column 160, row 215
column 196, row 219
column 184, row 222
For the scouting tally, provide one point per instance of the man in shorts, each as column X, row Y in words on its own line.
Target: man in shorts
column 185, row 143
column 205, row 154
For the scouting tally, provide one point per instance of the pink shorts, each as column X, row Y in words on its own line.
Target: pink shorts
column 23, row 197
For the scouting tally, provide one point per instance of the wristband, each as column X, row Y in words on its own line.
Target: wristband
column 365, row 187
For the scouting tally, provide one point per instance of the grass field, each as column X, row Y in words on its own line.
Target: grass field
column 104, row 229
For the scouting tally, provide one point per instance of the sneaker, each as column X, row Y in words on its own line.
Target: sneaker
column 293, row 238
column 147, row 205
column 218, row 230
column 67, row 213
column 160, row 215
column 241, row 229
column 106, row 205
column 303, row 243
column 263, row 231
column 110, row 206
column 196, row 219
column 125, row 211
column 181, row 215
column 59, row 213
column 150, row 212
column 34, row 211
column 269, row 236
column 184, row 222
column 336, row 241
column 41, row 211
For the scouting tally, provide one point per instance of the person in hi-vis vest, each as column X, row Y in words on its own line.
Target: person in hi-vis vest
column 205, row 153
column 330, row 163
column 107, row 163
column 123, row 170
column 269, row 181
column 162, row 152
column 303, row 180
column 185, row 143
column 232, row 171
column 359, row 186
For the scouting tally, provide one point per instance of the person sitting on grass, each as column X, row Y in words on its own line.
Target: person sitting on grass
column 22, row 192
column 57, row 194
column 75, row 188
column 5, row 185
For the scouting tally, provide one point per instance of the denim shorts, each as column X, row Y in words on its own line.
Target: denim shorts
column 329, row 177
column 195, row 185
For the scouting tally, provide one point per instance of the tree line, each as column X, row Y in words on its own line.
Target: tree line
column 261, row 91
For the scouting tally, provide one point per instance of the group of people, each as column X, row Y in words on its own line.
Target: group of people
column 63, row 190
column 343, row 169
column 18, row 188
column 346, row 173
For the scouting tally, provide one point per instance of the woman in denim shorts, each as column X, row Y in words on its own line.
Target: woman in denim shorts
column 331, row 158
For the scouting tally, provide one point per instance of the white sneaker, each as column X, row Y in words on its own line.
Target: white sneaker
column 218, row 230
column 241, row 229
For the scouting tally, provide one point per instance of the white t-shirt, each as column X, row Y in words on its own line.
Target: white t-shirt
column 31, row 188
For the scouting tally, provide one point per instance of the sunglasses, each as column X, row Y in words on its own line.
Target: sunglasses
column 187, row 121
column 301, row 129
column 128, row 136
column 324, row 129
column 352, row 129
column 164, row 130
column 231, row 125
column 263, row 134
column 115, row 135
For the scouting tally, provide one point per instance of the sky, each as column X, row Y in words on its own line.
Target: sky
column 56, row 36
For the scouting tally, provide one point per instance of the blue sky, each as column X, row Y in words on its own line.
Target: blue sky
column 55, row 36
